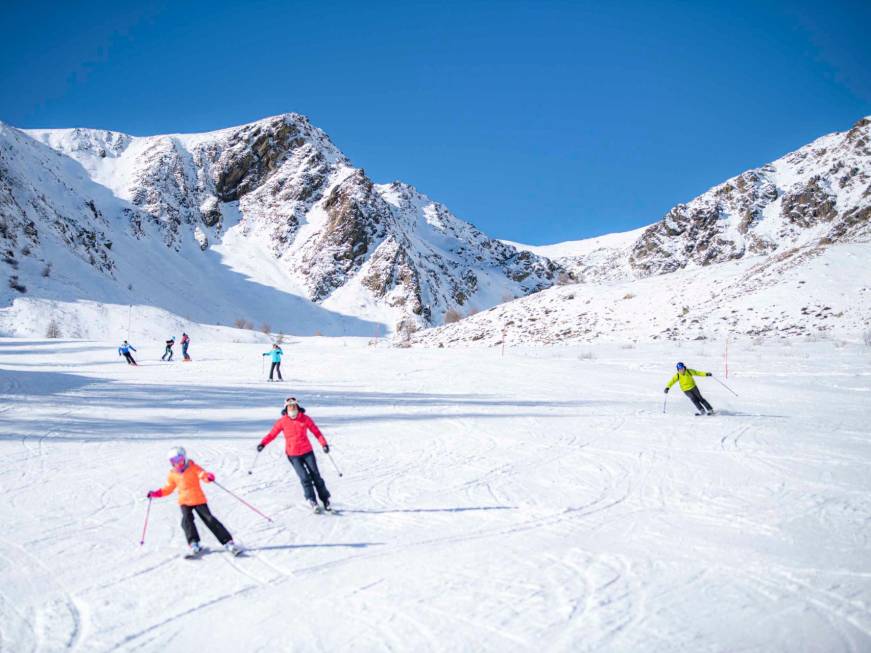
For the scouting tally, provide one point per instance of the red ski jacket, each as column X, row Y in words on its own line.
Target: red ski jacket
column 297, row 442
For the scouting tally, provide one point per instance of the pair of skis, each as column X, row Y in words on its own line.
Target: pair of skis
column 203, row 550
column 665, row 400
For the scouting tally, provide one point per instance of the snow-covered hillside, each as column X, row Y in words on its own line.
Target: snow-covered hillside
column 602, row 258
column 817, row 195
column 819, row 292
column 267, row 222
column 536, row 502
column 784, row 249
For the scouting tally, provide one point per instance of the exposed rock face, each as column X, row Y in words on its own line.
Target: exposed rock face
column 357, row 217
column 818, row 192
column 32, row 180
column 294, row 199
column 757, row 255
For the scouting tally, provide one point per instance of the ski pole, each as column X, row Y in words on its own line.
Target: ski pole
column 256, row 456
column 241, row 500
column 330, row 456
column 724, row 385
column 664, row 401
column 145, row 526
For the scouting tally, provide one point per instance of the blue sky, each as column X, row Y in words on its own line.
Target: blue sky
column 537, row 121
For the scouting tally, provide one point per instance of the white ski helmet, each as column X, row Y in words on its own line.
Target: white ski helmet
column 177, row 452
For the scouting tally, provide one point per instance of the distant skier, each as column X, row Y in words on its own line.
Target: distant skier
column 685, row 376
column 168, row 350
column 124, row 350
column 185, row 343
column 186, row 476
column 294, row 423
column 276, row 355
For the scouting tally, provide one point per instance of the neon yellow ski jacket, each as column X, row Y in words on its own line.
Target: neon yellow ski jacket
column 686, row 380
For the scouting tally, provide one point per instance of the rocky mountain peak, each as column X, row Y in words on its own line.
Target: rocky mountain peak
column 280, row 193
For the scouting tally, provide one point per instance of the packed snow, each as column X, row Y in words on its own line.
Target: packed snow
column 540, row 499
column 584, row 247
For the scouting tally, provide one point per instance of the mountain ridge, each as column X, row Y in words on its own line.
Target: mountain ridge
column 311, row 223
column 734, row 261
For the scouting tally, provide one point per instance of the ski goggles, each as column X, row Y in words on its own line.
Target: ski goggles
column 178, row 461
column 290, row 401
column 681, row 366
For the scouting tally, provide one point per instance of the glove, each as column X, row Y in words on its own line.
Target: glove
column 155, row 494
column 260, row 447
column 666, row 390
column 708, row 374
column 209, row 477
column 326, row 448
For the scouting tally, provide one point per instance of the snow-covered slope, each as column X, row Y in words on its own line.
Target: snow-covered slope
column 816, row 292
column 537, row 502
column 819, row 194
column 267, row 222
column 816, row 195
column 783, row 249
column 602, row 258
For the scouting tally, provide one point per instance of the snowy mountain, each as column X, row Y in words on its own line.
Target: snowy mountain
column 815, row 196
column 267, row 222
column 782, row 249
column 603, row 258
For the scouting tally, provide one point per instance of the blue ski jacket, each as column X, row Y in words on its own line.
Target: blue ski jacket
column 276, row 354
column 125, row 349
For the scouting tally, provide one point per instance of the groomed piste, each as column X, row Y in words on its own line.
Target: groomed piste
column 540, row 500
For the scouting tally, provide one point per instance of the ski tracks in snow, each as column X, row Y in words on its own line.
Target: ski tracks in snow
column 37, row 614
column 493, row 503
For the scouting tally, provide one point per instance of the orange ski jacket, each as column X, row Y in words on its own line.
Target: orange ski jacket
column 188, row 483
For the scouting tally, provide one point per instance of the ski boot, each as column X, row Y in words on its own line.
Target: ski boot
column 316, row 509
column 328, row 506
column 233, row 548
column 195, row 551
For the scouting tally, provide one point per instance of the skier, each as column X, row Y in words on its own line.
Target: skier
column 185, row 343
column 299, row 451
column 124, row 350
column 685, row 376
column 186, row 476
column 168, row 350
column 276, row 355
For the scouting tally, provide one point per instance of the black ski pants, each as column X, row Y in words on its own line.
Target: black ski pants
column 306, row 467
column 129, row 358
column 276, row 367
column 190, row 529
column 697, row 399
column 168, row 352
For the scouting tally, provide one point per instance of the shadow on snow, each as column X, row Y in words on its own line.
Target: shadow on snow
column 88, row 409
column 416, row 510
column 349, row 545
